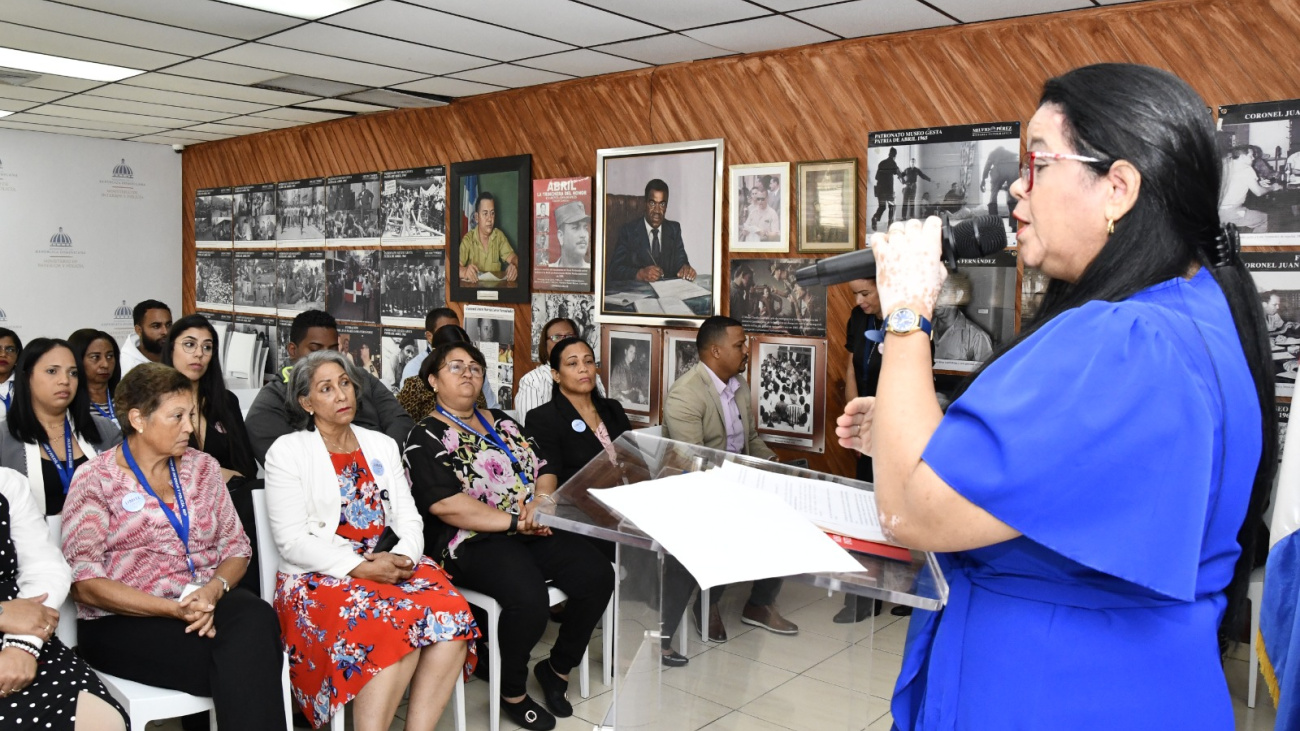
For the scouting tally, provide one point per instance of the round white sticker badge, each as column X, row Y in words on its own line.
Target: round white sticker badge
column 133, row 502
column 579, row 425
column 377, row 467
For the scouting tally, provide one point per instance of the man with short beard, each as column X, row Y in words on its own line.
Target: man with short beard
column 573, row 226
column 152, row 321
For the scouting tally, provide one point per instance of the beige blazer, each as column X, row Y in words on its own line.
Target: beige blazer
column 693, row 414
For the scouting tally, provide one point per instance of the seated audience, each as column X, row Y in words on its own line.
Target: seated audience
column 536, row 386
column 97, row 355
column 393, row 608
column 50, row 431
column 437, row 319
column 157, row 551
column 576, row 426
column 193, row 348
column 416, row 396
column 11, row 346
column 710, row 405
column 268, row 418
column 43, row 684
column 152, row 321
column 474, row 475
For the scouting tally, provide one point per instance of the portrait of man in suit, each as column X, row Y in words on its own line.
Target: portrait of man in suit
column 650, row 248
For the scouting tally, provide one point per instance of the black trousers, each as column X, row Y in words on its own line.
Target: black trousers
column 762, row 594
column 514, row 570
column 240, row 668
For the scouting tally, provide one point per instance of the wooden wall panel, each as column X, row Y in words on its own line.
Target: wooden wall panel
column 807, row 103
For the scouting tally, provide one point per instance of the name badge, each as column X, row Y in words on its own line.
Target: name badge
column 133, row 502
column 579, row 425
column 377, row 467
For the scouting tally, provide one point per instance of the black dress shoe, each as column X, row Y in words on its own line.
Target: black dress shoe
column 865, row 608
column 553, row 689
column 673, row 659
column 528, row 714
column 901, row 610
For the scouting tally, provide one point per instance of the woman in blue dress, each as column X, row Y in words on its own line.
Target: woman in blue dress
column 1093, row 488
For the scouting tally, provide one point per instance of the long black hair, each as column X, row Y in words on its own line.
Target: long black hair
column 80, row 342
column 22, row 422
column 214, row 401
column 1157, row 122
column 606, row 407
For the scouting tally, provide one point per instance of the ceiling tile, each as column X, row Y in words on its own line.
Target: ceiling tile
column 160, row 140
column 665, row 49
column 214, row 17
column 344, row 105
column 679, row 14
column 262, row 122
column 59, row 110
column 173, row 98
column 112, row 28
column 189, row 114
column 30, row 93
column 189, row 134
column 444, row 86
column 292, row 61
column 563, row 20
column 228, row 129
column 51, row 121
column 228, row 73
column 432, row 28
column 299, row 115
column 8, row 123
column 871, row 18
column 973, row 11
column 16, row 105
column 785, row 6
column 168, row 82
column 582, row 62
column 54, row 82
column 510, row 75
column 375, row 49
column 760, row 34
column 84, row 49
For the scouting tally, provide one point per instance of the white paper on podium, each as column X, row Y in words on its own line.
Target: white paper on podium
column 831, row 506
column 723, row 532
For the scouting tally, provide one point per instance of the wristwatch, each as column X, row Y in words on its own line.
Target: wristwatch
column 904, row 320
column 225, row 584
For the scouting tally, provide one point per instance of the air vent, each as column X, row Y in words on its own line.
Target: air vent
column 309, row 86
column 13, row 77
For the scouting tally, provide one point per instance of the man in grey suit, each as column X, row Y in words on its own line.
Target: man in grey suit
column 710, row 405
column 650, row 248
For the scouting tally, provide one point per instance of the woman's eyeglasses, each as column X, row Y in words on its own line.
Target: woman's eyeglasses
column 557, row 337
column 1027, row 167
column 192, row 346
column 458, row 368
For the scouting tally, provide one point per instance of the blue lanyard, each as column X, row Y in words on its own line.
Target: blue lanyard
column 65, row 470
column 182, row 522
column 8, row 398
column 111, row 414
column 491, row 436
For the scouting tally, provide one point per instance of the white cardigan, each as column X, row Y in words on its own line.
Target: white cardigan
column 41, row 566
column 303, row 503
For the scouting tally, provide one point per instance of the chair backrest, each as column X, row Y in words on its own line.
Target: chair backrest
column 240, row 354
column 268, row 556
column 67, row 629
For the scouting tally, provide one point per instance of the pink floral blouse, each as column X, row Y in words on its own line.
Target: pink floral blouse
column 104, row 540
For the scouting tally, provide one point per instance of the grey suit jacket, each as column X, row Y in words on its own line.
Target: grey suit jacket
column 693, row 414
column 15, row 454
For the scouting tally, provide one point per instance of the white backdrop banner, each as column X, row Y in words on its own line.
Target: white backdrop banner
column 89, row 227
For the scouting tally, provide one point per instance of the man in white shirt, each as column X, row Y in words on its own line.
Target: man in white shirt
column 761, row 223
column 152, row 321
column 438, row 317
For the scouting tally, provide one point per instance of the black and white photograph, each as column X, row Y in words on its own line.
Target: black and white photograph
column 254, row 207
column 962, row 171
column 680, row 355
column 282, row 344
column 213, row 279
column 489, row 237
column 413, row 207
column 400, row 346
column 266, row 349
column 214, row 226
column 300, row 213
column 413, row 282
column 1283, row 419
column 1277, row 279
column 492, row 330
column 577, row 307
column 255, row 281
column 352, row 210
column 299, row 281
column 827, row 206
column 352, row 284
column 659, row 246
column 1033, row 287
column 629, row 370
column 760, row 208
column 362, row 345
column 788, row 386
column 765, row 297
column 976, row 312
column 1259, row 147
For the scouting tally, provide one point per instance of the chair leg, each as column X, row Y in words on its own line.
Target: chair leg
column 288, row 695
column 704, row 615
column 459, row 695
column 212, row 719
column 494, row 669
column 1250, row 650
column 607, row 635
column 684, row 630
column 584, row 675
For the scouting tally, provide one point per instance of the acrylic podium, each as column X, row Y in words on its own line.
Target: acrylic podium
column 821, row 678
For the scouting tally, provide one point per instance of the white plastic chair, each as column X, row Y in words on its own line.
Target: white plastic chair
column 268, row 566
column 240, row 354
column 143, row 703
column 1255, row 592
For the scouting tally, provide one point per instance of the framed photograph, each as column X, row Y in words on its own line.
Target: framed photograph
column 976, row 312
column 214, row 287
column 352, row 291
column 413, row 206
column 254, row 282
column 760, row 208
column 562, row 234
column 1277, row 279
column 788, row 389
column 254, row 207
column 577, row 307
column 659, row 246
column 680, row 355
column 300, row 213
column 492, row 330
column 412, row 282
column 631, row 371
column 214, row 224
column 489, row 229
column 353, row 205
column 400, row 346
column 299, row 281
column 765, row 297
column 827, row 205
column 1259, row 146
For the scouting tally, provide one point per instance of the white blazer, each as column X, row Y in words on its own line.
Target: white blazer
column 41, row 567
column 303, row 503
column 36, row 476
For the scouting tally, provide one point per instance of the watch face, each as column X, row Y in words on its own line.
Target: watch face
column 902, row 321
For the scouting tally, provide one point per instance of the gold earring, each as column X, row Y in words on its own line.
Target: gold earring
column 1110, row 227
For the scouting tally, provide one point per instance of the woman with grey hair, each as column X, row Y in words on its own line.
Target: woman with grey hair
column 363, row 612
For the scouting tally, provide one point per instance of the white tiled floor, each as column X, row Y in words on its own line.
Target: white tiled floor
column 758, row 681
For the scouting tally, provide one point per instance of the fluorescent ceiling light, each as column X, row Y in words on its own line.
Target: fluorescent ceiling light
column 3, row 113
column 306, row 9
column 400, row 100
column 43, row 64
column 309, row 86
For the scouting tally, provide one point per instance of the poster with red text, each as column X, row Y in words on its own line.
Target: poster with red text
column 562, row 234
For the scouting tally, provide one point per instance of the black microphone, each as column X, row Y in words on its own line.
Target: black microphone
column 967, row 239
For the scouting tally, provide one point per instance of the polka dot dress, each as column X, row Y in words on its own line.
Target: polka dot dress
column 50, row 701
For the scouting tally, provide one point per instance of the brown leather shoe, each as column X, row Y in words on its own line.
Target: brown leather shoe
column 769, row 619
column 717, row 630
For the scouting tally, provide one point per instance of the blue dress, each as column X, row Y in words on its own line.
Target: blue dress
column 1121, row 440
